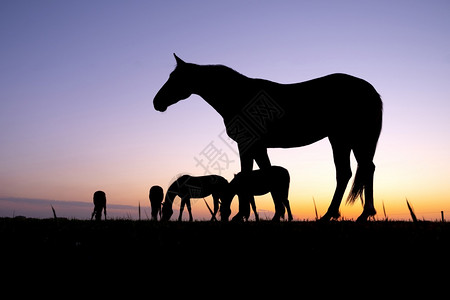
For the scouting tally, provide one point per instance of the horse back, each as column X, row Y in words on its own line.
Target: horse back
column 302, row 113
column 262, row 181
column 199, row 186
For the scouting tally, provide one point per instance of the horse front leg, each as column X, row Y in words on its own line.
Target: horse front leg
column 255, row 152
column 253, row 205
column 188, row 204
column 261, row 158
column 216, row 206
column 183, row 203
column 246, row 159
column 244, row 208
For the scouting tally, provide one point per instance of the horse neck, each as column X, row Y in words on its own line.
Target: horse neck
column 169, row 198
column 219, row 88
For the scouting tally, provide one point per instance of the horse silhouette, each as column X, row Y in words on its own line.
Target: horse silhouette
column 156, row 196
column 260, row 114
column 246, row 185
column 187, row 187
column 99, row 205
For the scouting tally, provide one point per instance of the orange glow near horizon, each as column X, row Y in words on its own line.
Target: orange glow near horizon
column 312, row 176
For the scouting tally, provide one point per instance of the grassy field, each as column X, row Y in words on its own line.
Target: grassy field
column 247, row 250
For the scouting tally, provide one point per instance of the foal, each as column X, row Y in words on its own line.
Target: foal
column 156, row 196
column 246, row 185
column 187, row 187
column 99, row 205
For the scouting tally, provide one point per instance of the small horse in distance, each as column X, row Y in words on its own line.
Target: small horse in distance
column 246, row 185
column 156, row 196
column 99, row 205
column 260, row 114
column 187, row 187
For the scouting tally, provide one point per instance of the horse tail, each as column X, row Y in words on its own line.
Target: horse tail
column 365, row 150
column 357, row 187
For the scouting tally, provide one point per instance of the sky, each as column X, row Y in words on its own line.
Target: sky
column 78, row 79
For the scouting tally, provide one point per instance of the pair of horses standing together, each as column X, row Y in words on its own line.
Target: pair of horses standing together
column 246, row 185
column 260, row 114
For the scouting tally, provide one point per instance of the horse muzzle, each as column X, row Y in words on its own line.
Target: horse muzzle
column 160, row 108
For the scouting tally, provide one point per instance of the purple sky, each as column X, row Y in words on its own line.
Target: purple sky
column 78, row 78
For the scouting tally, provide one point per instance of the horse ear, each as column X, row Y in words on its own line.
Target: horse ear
column 179, row 60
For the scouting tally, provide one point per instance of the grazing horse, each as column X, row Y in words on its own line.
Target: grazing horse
column 246, row 185
column 156, row 196
column 260, row 114
column 99, row 205
column 187, row 187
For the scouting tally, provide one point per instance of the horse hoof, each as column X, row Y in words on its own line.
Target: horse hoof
column 330, row 216
column 365, row 215
column 238, row 218
column 324, row 219
column 362, row 218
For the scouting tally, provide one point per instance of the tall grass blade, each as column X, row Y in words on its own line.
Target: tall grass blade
column 54, row 212
column 210, row 210
column 54, row 215
column 384, row 211
column 315, row 209
column 411, row 211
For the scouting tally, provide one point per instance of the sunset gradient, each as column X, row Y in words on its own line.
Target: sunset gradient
column 78, row 78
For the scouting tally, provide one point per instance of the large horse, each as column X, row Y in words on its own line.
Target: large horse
column 187, row 187
column 246, row 185
column 260, row 114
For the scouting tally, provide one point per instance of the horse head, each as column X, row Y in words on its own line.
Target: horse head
column 225, row 206
column 176, row 87
column 167, row 211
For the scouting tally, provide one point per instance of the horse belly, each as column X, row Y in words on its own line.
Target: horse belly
column 294, row 133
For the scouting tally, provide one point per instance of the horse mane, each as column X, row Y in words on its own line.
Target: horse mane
column 221, row 71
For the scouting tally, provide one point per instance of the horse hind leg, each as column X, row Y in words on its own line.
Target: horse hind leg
column 284, row 197
column 278, row 200
column 288, row 208
column 341, row 155
column 363, row 182
column 279, row 212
